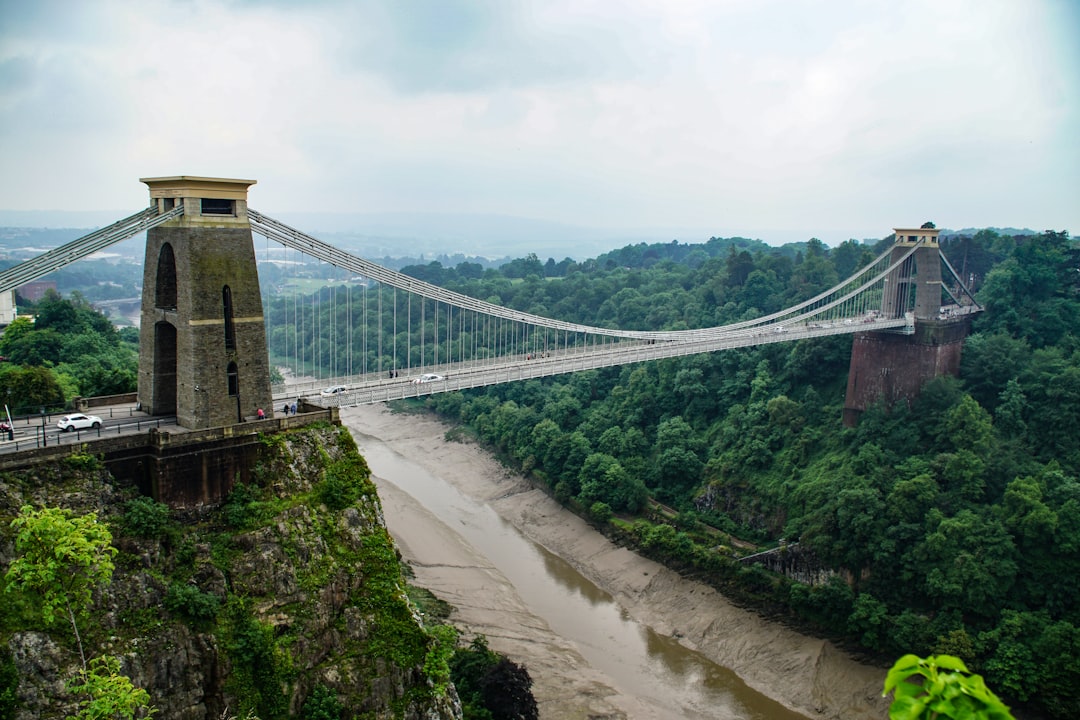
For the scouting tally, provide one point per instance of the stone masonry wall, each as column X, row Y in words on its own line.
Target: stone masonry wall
column 892, row 367
column 206, row 260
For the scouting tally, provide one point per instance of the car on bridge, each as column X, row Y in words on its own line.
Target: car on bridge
column 78, row 421
column 427, row 378
column 331, row 391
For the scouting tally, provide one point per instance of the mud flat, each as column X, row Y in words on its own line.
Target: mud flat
column 803, row 674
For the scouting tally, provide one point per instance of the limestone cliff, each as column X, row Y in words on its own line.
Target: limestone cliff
column 291, row 588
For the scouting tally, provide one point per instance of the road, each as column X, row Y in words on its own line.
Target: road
column 116, row 420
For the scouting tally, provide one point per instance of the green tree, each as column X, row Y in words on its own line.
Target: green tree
column 869, row 618
column 970, row 561
column 321, row 704
column 1034, row 294
column 989, row 362
column 592, row 480
column 19, row 328
column 62, row 559
column 490, row 686
column 27, row 389
column 1009, row 418
column 109, row 695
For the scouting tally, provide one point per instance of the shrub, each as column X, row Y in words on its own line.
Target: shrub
column 191, row 602
column 344, row 483
column 258, row 673
column 336, row 492
column 563, row 491
column 145, row 517
column 437, row 660
column 601, row 512
column 321, row 704
column 82, row 461
column 241, row 506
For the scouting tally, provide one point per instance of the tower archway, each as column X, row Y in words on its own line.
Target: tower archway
column 164, row 393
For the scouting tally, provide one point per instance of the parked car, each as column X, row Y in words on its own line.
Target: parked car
column 335, row 390
column 428, row 377
column 78, row 422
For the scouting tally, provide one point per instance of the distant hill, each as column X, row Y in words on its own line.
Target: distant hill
column 90, row 219
column 490, row 236
column 1000, row 231
column 429, row 235
column 414, row 234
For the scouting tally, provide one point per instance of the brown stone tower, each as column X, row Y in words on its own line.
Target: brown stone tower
column 920, row 274
column 893, row 367
column 202, row 343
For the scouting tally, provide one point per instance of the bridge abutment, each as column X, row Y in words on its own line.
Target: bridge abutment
column 893, row 368
column 202, row 341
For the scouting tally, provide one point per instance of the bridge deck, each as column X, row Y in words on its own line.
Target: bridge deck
column 372, row 388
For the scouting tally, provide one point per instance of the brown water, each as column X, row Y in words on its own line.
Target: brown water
column 679, row 682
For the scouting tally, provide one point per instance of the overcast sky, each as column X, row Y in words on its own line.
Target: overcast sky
column 770, row 118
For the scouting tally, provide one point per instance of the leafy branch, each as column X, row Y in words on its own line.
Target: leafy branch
column 940, row 686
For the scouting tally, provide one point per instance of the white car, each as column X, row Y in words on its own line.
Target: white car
column 428, row 377
column 331, row 391
column 78, row 422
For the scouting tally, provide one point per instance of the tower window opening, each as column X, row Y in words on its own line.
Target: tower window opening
column 227, row 308
column 217, row 206
column 165, row 285
column 234, row 379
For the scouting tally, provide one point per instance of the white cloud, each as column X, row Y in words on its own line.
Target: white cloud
column 813, row 117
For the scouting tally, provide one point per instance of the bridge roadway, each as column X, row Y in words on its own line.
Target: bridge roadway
column 375, row 388
column 34, row 431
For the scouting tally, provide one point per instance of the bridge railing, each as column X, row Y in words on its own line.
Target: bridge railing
column 465, row 377
column 50, row 436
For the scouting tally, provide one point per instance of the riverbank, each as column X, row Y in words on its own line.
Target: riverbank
column 806, row 674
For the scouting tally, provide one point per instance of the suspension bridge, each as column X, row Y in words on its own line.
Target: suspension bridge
column 391, row 336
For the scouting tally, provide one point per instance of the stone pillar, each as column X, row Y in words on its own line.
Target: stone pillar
column 202, row 341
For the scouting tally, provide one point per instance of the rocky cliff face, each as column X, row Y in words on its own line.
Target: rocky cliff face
column 289, row 590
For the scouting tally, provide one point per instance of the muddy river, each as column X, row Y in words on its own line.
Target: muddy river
column 591, row 655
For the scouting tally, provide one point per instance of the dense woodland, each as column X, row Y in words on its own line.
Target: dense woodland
column 952, row 526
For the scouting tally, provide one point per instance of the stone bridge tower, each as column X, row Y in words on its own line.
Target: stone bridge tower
column 202, row 342
column 893, row 367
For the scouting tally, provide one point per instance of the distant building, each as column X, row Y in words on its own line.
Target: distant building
column 34, row 291
column 7, row 307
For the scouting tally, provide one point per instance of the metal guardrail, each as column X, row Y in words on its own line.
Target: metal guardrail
column 47, row 435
